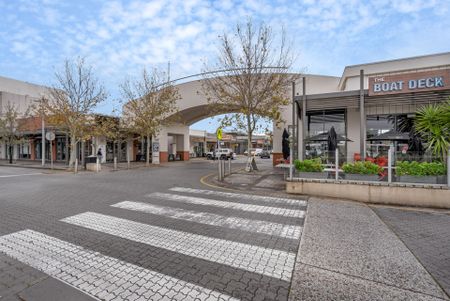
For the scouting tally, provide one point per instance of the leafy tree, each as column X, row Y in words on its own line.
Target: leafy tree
column 433, row 124
column 72, row 101
column 10, row 130
column 151, row 99
column 254, row 78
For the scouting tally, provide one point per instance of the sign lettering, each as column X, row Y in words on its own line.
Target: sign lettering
column 411, row 82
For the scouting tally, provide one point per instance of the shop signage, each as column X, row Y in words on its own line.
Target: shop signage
column 410, row 82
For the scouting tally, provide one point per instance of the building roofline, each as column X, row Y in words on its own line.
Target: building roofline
column 341, row 81
column 23, row 82
column 399, row 59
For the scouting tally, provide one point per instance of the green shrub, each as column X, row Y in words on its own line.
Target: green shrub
column 363, row 168
column 314, row 165
column 415, row 168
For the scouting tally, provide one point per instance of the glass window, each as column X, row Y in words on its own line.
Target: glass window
column 319, row 123
column 390, row 128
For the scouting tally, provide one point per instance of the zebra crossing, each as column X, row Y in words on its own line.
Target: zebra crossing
column 266, row 264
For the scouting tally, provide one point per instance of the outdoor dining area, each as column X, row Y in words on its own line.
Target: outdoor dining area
column 392, row 156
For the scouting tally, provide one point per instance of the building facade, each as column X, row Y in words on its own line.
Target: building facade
column 368, row 106
column 366, row 102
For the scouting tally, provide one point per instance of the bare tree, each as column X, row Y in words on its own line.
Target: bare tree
column 10, row 130
column 151, row 100
column 254, row 76
column 72, row 100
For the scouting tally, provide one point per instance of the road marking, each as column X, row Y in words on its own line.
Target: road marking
column 258, row 226
column 230, row 205
column 269, row 262
column 21, row 175
column 97, row 275
column 242, row 196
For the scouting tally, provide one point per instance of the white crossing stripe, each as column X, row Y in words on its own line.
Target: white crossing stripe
column 242, row 196
column 270, row 262
column 230, row 205
column 258, row 226
column 98, row 275
column 21, row 175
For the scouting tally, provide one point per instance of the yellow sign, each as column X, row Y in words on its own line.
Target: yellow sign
column 219, row 134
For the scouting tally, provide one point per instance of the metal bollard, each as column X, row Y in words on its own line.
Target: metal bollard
column 336, row 162
column 229, row 166
column 390, row 164
column 97, row 164
column 115, row 163
column 76, row 166
column 219, row 171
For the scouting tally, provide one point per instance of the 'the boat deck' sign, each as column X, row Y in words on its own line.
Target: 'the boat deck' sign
column 409, row 82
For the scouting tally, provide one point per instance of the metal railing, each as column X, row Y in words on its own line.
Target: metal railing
column 392, row 166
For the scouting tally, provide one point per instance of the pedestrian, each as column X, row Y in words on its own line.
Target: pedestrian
column 99, row 155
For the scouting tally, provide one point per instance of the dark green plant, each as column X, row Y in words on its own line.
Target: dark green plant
column 415, row 168
column 433, row 124
column 363, row 168
column 314, row 165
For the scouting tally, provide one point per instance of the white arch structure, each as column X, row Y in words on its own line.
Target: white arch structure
column 193, row 106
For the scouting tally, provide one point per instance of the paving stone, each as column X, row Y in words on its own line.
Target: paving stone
column 427, row 235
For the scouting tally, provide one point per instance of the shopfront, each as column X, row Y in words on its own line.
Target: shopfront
column 377, row 116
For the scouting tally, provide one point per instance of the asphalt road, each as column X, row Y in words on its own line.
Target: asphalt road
column 143, row 234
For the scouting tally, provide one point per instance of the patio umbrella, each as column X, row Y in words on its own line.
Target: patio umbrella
column 332, row 140
column 415, row 145
column 285, row 144
column 332, row 143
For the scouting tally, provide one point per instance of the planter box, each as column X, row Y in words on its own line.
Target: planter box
column 313, row 175
column 422, row 179
column 359, row 177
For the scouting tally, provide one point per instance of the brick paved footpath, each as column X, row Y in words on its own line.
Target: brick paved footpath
column 180, row 243
column 427, row 235
column 348, row 253
column 158, row 235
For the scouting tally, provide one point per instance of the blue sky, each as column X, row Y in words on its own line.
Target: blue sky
column 119, row 38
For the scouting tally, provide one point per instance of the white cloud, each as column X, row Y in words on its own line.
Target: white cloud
column 120, row 37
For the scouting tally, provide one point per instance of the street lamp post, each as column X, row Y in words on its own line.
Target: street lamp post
column 43, row 140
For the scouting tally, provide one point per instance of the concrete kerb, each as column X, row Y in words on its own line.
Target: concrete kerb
column 298, row 255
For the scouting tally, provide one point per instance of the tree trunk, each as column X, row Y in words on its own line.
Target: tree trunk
column 10, row 153
column 66, row 150
column 114, row 149
column 249, row 136
column 73, row 150
column 147, row 152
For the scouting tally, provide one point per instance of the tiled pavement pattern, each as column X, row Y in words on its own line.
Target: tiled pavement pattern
column 233, row 205
column 101, row 276
column 288, row 231
column 159, row 255
column 427, row 235
column 273, row 263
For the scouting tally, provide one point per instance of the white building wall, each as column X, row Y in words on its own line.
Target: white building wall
column 353, row 132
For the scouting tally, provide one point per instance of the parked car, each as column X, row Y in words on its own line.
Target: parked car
column 223, row 153
column 254, row 151
column 264, row 154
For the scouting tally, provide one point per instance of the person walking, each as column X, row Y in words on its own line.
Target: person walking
column 99, row 155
